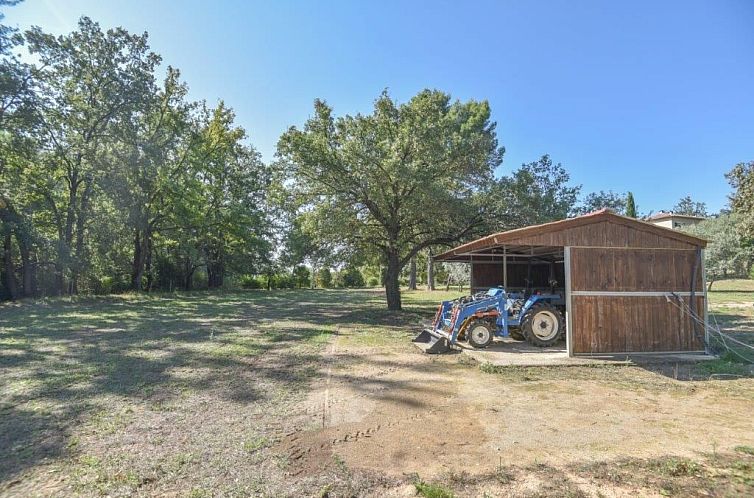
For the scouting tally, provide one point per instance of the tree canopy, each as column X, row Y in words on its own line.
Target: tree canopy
column 110, row 180
column 686, row 205
column 741, row 178
column 535, row 193
column 727, row 255
column 403, row 178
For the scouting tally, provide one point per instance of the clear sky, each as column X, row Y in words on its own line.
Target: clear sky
column 656, row 97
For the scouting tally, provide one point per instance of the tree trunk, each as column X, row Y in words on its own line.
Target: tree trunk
column 80, row 260
column 10, row 276
column 27, row 269
column 412, row 274
column 188, row 274
column 148, row 262
column 392, row 285
column 709, row 285
column 430, row 272
column 137, row 266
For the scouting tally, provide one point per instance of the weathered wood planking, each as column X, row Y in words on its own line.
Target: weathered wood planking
column 659, row 270
column 600, row 229
column 491, row 275
column 604, row 234
column 610, row 324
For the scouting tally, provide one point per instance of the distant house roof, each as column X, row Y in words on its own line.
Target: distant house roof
column 667, row 215
column 577, row 230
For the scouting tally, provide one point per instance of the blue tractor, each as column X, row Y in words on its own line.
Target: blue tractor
column 534, row 317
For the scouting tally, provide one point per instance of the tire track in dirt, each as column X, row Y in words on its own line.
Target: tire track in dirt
column 308, row 451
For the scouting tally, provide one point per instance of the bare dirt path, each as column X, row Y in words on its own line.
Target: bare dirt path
column 398, row 412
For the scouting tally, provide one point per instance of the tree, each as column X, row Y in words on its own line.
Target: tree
column 689, row 207
column 324, row 278
column 604, row 200
column 741, row 178
column 630, row 205
column 350, row 276
column 86, row 82
column 412, row 273
column 302, row 276
column 152, row 151
column 399, row 180
column 230, row 184
column 535, row 193
column 727, row 255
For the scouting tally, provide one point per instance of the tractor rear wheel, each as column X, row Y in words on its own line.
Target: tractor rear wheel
column 480, row 333
column 543, row 325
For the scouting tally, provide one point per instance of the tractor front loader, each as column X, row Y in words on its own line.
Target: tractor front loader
column 477, row 319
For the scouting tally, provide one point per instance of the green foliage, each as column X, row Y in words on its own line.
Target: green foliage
column 630, row 205
column 687, row 206
column 111, row 180
column 324, row 278
column 302, row 276
column 535, row 193
column 741, row 178
column 349, row 277
column 429, row 490
column 396, row 181
column 727, row 255
column 605, row 200
column 252, row 282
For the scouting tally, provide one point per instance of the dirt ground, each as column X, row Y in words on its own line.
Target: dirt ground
column 321, row 393
column 401, row 413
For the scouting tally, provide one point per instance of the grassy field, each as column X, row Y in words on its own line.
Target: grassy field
column 732, row 303
column 198, row 394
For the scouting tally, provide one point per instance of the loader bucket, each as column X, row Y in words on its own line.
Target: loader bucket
column 430, row 343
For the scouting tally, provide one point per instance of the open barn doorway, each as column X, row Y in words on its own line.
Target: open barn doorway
column 528, row 269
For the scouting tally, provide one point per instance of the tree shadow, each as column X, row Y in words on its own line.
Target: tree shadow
column 62, row 361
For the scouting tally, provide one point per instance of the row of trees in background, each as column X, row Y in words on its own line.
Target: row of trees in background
column 111, row 179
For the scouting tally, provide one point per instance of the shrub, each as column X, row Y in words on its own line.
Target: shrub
column 283, row 281
column 349, row 277
column 373, row 282
column 251, row 282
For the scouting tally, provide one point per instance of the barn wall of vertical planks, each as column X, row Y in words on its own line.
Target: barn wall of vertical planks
column 621, row 272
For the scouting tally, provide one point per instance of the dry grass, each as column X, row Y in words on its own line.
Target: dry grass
column 188, row 395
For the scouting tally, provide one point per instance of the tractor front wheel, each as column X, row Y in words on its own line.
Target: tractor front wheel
column 479, row 333
column 543, row 325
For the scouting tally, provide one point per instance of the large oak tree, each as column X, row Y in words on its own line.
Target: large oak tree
column 398, row 180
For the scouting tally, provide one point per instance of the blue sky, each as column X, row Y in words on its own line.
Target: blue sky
column 652, row 97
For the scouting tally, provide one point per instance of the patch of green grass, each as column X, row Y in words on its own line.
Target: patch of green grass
column 676, row 467
column 430, row 490
column 745, row 449
column 256, row 444
column 727, row 364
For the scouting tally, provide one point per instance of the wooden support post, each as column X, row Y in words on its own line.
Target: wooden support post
column 569, row 312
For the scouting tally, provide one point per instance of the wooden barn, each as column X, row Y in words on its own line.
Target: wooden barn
column 615, row 273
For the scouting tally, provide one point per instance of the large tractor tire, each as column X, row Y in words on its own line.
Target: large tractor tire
column 543, row 325
column 480, row 333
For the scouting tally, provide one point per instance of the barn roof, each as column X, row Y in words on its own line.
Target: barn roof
column 527, row 236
